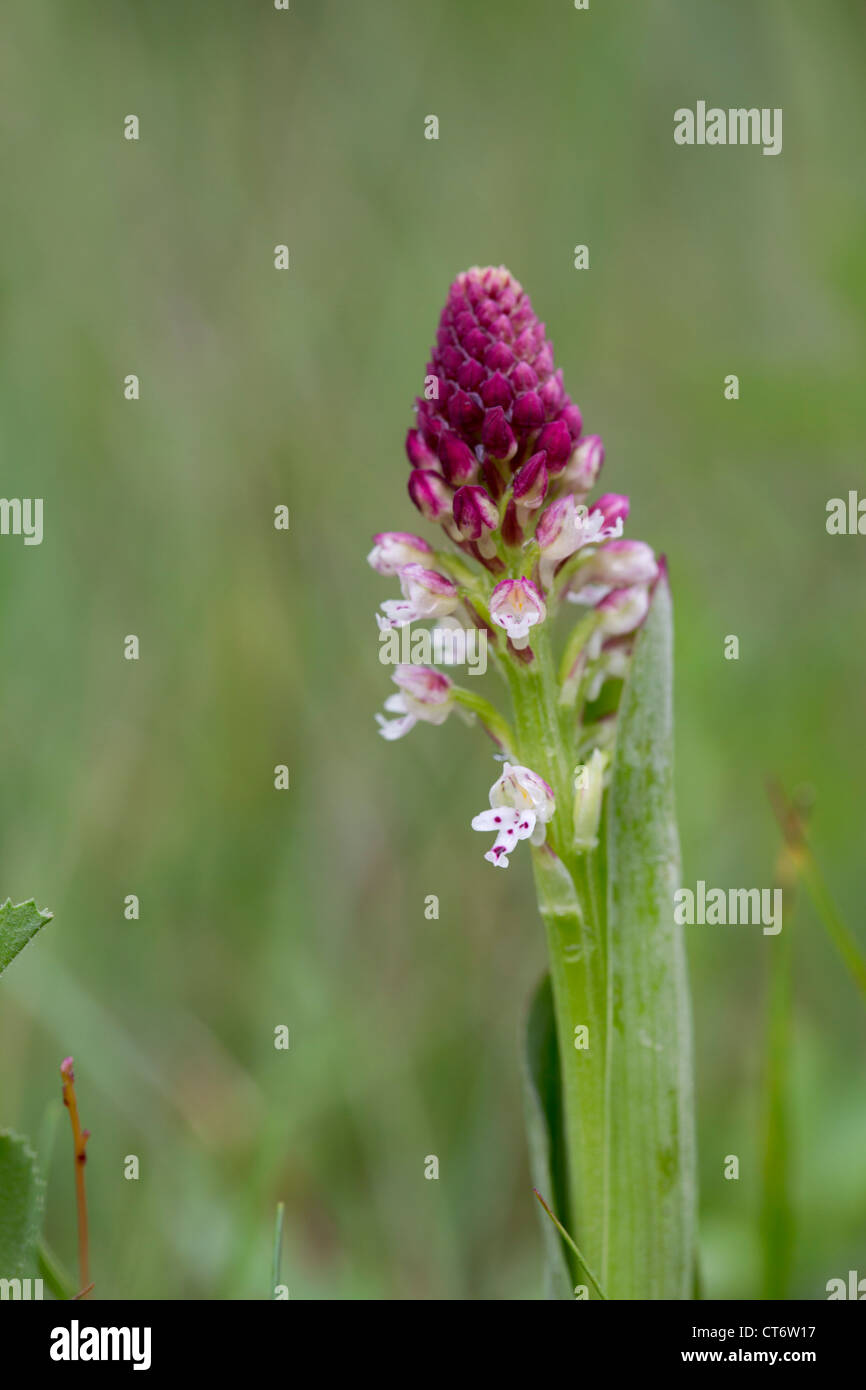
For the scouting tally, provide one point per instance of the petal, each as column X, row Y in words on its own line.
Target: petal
column 498, row 858
column 498, row 818
column 395, row 728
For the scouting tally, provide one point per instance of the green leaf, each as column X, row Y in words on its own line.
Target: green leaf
column 21, row 1191
column 51, row 1271
column 544, row 1130
column 19, row 923
column 650, row 1155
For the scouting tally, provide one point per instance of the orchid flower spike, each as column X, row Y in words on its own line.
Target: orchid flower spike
column 521, row 804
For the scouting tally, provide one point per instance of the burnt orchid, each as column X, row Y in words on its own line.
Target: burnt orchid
column 576, row 618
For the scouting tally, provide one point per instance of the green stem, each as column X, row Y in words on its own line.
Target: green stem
column 575, row 941
column 488, row 716
column 278, row 1249
column 776, row 1210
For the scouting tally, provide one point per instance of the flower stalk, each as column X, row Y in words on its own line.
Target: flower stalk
column 79, row 1143
column 500, row 463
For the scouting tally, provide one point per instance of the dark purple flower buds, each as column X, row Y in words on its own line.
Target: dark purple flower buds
column 495, row 379
column 584, row 465
column 417, row 451
column 497, row 435
column 555, row 439
column 572, row 417
column 430, row 493
column 458, row 461
column 528, row 413
column 530, row 486
column 475, row 516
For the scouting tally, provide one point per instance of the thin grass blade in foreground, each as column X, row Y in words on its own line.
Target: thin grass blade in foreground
column 582, row 1265
column 276, row 1263
column 792, row 827
column 777, row 1214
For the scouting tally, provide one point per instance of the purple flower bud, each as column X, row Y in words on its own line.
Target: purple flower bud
column 465, row 413
column 528, row 413
column 431, row 426
column 584, row 465
column 497, row 382
column 417, row 452
column 556, row 529
column 430, row 493
column 623, row 610
column 471, row 376
column 497, row 390
column 497, row 435
column 499, row 357
column 614, row 506
column 529, row 488
column 394, row 549
column 474, row 513
column 553, row 396
column 458, row 461
column 572, row 417
column 556, row 442
column 523, row 377
column 621, row 564
column 512, row 526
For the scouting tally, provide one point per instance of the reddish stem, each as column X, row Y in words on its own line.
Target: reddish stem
column 79, row 1138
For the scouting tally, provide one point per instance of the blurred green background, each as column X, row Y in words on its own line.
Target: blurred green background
column 257, row 388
